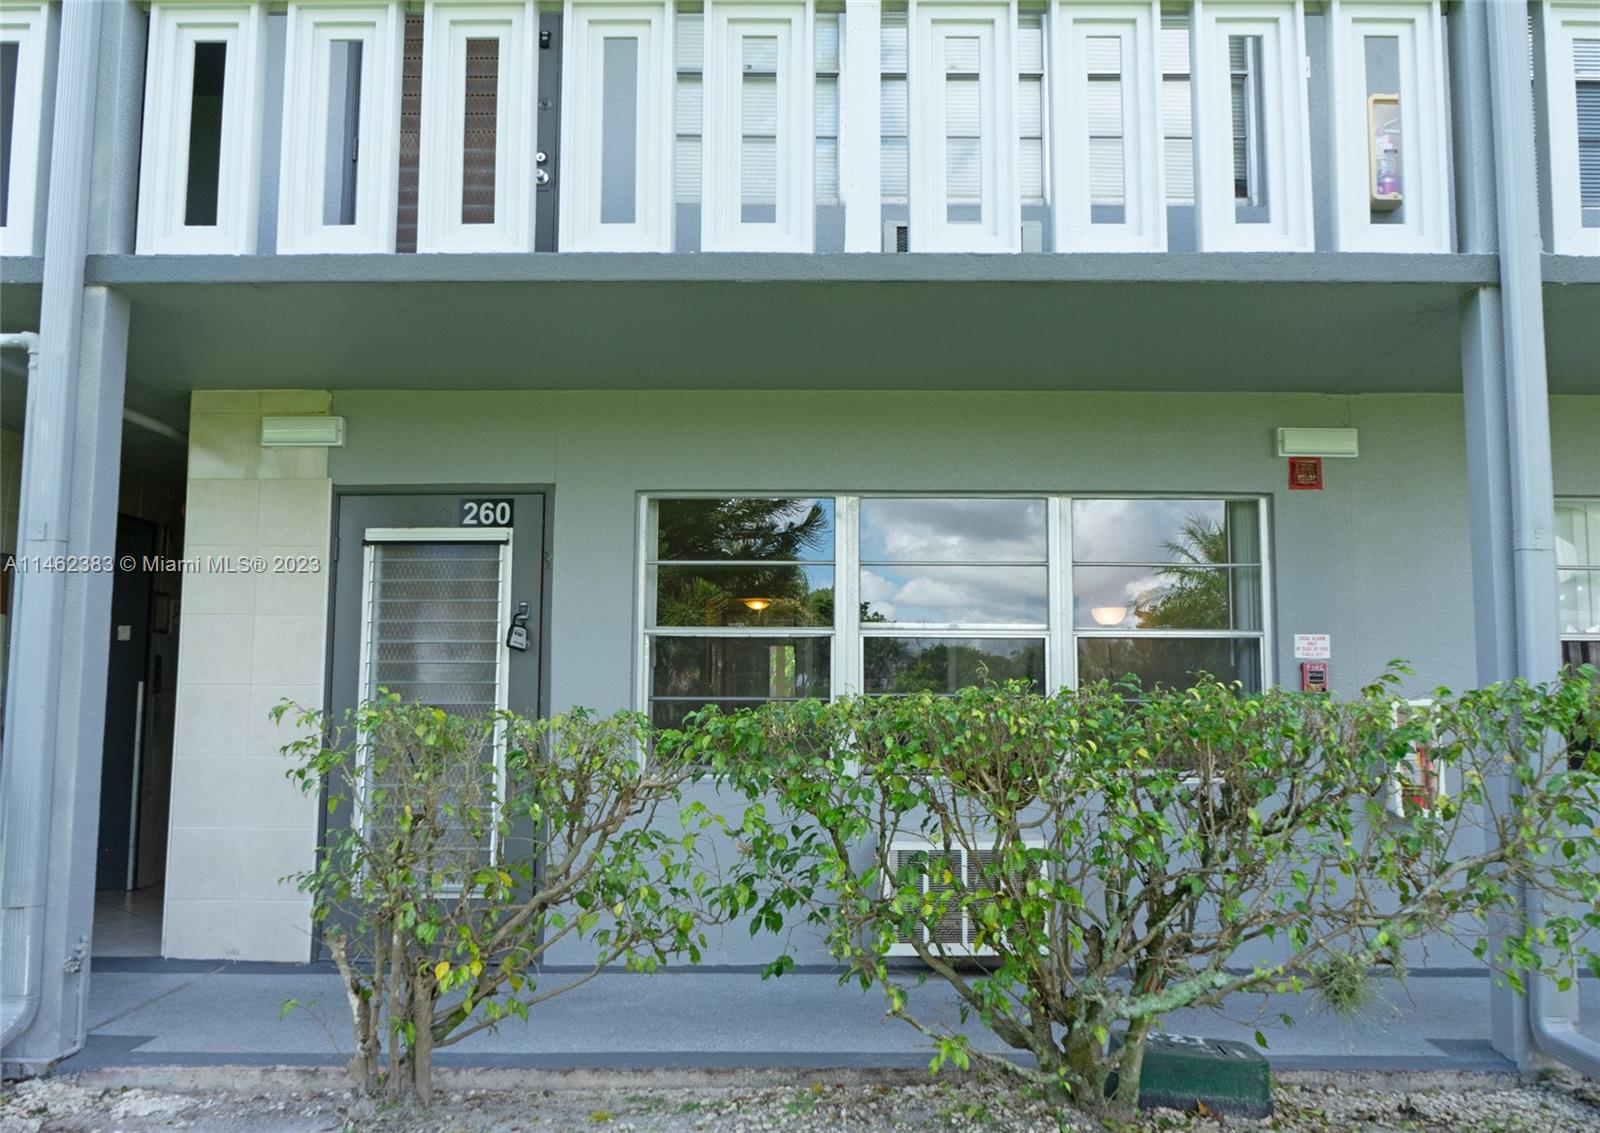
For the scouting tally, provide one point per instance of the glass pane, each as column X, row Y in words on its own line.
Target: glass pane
column 1578, row 533
column 344, row 117
column 955, row 595
column 480, row 130
column 1169, row 662
column 1245, row 88
column 9, row 54
column 619, row 130
column 686, row 673
column 745, row 528
column 1199, row 532
column 952, row 530
column 946, row 664
column 827, row 43
column 758, row 160
column 742, row 595
column 205, row 135
column 434, row 624
column 1579, row 600
column 1140, row 597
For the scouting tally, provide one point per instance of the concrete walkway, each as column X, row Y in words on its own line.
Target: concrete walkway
column 151, row 1012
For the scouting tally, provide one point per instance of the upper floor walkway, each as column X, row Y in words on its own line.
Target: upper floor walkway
column 792, row 126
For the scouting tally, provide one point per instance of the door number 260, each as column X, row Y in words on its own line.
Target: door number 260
column 486, row 513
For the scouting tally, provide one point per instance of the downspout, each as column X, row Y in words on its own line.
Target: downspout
column 27, row 776
column 1528, row 426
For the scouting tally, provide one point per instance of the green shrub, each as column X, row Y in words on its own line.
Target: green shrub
column 1110, row 856
column 445, row 878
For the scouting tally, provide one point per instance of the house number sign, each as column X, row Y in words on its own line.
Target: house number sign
column 493, row 512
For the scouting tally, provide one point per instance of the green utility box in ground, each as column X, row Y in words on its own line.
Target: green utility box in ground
column 1228, row 1077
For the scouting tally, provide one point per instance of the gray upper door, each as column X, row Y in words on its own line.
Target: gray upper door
column 437, row 598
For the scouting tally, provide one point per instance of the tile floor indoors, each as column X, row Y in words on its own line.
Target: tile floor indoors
column 127, row 922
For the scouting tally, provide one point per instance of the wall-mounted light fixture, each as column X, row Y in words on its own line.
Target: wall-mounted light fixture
column 302, row 432
column 1317, row 442
column 1108, row 615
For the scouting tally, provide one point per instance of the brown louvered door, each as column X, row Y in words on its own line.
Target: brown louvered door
column 405, row 236
column 479, row 129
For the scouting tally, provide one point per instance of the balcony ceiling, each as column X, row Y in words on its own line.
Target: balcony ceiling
column 1283, row 323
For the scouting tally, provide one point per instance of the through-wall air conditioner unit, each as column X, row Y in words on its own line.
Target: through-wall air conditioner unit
column 953, row 935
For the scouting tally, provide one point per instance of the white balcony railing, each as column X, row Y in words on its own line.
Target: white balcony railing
column 800, row 125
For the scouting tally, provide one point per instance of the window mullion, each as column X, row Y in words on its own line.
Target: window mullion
column 847, row 673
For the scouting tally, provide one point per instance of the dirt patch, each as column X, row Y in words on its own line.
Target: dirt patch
column 814, row 1103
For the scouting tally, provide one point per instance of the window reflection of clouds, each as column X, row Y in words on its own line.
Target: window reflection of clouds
column 970, row 595
column 952, row 530
column 1136, row 530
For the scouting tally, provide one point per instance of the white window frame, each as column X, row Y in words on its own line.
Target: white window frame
column 726, row 26
column 645, row 632
column 1418, row 26
column 1593, row 568
column 34, row 29
column 503, row 536
column 446, row 29
column 846, row 663
column 584, row 30
column 1285, row 135
column 175, row 28
column 1560, row 25
column 993, row 22
column 312, row 29
column 1138, row 25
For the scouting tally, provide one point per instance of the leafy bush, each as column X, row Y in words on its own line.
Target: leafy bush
column 1111, row 858
column 445, row 877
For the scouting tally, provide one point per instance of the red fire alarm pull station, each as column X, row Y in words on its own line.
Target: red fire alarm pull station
column 1305, row 473
column 1313, row 676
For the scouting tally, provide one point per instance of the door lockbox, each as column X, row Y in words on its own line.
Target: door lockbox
column 517, row 635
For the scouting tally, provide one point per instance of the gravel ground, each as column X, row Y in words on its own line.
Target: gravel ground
column 808, row 1104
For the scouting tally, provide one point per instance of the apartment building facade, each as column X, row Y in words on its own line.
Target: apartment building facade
column 753, row 350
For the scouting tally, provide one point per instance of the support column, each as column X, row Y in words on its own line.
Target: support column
column 50, row 779
column 58, row 1028
column 1506, row 398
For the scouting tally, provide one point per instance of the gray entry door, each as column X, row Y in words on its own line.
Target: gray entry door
column 427, row 589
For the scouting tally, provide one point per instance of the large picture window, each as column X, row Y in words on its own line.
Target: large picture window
column 738, row 601
column 938, row 593
column 1163, row 589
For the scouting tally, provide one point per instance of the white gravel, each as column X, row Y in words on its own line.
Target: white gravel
column 808, row 1104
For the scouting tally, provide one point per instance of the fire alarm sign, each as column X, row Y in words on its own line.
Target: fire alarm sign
column 1305, row 473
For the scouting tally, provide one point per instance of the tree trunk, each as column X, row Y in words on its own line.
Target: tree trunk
column 422, row 1043
column 1130, row 1067
column 1087, row 1064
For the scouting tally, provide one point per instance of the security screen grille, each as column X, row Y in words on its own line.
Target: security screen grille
column 434, row 612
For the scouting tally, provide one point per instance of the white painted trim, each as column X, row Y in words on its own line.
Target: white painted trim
column 163, row 165
column 446, row 29
column 1138, row 25
column 312, row 30
column 860, row 125
column 1286, row 133
column 1561, row 25
column 437, row 535
column 587, row 24
column 34, row 29
column 993, row 23
column 1418, row 27
column 791, row 23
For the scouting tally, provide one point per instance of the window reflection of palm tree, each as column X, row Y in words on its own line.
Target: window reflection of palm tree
column 1191, row 597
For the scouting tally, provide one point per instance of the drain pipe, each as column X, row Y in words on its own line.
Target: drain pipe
column 27, row 776
column 1554, row 1033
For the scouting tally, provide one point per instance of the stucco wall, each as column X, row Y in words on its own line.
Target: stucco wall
column 1379, row 559
column 237, row 825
